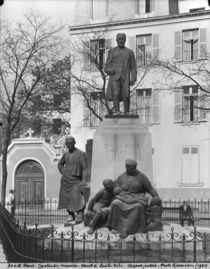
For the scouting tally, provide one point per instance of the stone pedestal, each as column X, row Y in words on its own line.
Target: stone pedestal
column 115, row 140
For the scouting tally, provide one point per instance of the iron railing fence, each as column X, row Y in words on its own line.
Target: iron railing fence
column 200, row 210
column 50, row 246
column 71, row 245
column 47, row 212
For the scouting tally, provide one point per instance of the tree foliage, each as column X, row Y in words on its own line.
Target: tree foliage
column 27, row 48
column 50, row 100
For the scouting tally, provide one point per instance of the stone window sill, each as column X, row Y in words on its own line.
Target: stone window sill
column 187, row 185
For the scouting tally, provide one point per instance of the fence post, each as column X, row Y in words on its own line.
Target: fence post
column 62, row 237
column 108, row 240
column 35, row 237
column 25, row 212
column 194, row 244
column 148, row 245
column 134, row 248
column 72, row 243
column 24, row 237
column 183, row 246
column 204, row 246
column 83, row 250
column 120, row 249
column 52, row 238
column 160, row 248
column 96, row 246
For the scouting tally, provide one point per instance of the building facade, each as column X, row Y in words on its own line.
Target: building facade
column 177, row 34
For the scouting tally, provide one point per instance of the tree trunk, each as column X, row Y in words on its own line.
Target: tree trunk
column 4, row 166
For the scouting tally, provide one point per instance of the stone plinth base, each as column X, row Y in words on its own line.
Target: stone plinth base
column 115, row 140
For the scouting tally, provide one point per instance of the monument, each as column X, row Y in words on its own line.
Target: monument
column 120, row 136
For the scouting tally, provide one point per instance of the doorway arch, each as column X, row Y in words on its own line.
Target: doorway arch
column 29, row 182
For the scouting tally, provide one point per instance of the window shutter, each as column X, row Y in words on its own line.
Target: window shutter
column 156, row 106
column 152, row 8
column 86, row 115
column 140, row 106
column 132, row 43
column 95, row 106
column 86, row 57
column 86, row 64
column 178, row 105
column 203, row 43
column 202, row 104
column 108, row 45
column 142, row 7
column 155, row 38
column 137, row 6
column 178, row 45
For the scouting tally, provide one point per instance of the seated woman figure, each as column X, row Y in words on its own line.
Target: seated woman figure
column 127, row 212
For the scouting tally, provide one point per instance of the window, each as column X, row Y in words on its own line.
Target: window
column 148, row 105
column 188, row 105
column 57, row 126
column 100, row 9
column 144, row 50
column 190, row 44
column 97, row 49
column 94, row 57
column 190, row 165
column 90, row 119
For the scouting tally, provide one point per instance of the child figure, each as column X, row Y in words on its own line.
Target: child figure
column 100, row 202
column 154, row 213
column 10, row 203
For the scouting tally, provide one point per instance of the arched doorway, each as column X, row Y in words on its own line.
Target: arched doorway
column 29, row 182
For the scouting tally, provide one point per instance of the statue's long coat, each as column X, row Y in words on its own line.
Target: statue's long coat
column 75, row 165
column 122, row 60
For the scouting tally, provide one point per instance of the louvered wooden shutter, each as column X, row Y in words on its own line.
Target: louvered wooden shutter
column 178, row 45
column 155, row 39
column 108, row 46
column 178, row 105
column 86, row 58
column 203, row 43
column 132, row 43
column 202, row 104
column 156, row 106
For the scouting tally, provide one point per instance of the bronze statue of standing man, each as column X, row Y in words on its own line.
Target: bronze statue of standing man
column 121, row 68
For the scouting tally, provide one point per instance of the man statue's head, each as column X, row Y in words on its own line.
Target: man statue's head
column 70, row 142
column 130, row 166
column 121, row 39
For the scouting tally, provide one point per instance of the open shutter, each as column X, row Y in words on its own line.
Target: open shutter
column 86, row 64
column 86, row 115
column 178, row 105
column 152, row 5
column 203, row 43
column 86, row 58
column 142, row 7
column 155, row 42
column 156, row 106
column 108, row 45
column 178, row 45
column 203, row 104
column 132, row 43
